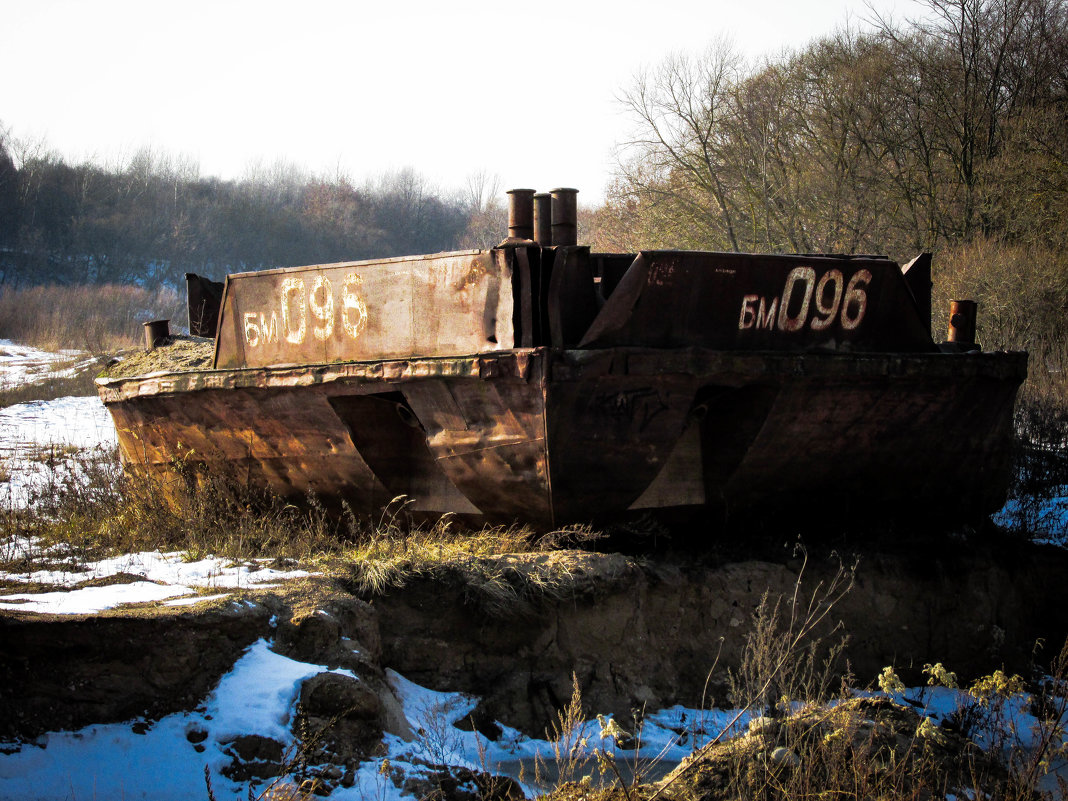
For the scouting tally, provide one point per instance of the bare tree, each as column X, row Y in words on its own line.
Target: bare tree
column 950, row 127
column 676, row 155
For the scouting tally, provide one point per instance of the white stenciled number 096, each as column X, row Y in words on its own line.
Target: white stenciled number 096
column 295, row 301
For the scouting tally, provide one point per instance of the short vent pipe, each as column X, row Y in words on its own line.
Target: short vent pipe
column 543, row 219
column 521, row 213
column 962, row 314
column 565, row 216
column 548, row 218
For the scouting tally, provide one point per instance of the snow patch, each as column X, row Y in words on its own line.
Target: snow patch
column 22, row 364
column 41, row 438
column 161, row 576
column 89, row 600
column 258, row 696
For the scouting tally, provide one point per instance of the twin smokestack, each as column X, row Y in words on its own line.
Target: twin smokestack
column 548, row 218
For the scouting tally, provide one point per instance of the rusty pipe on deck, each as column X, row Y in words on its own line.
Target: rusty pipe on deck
column 521, row 213
column 543, row 219
column 565, row 216
column 962, row 314
column 156, row 333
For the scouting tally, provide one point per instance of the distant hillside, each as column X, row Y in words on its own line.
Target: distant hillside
column 154, row 218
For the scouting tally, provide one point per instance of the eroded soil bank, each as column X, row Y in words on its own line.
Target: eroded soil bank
column 649, row 634
column 637, row 632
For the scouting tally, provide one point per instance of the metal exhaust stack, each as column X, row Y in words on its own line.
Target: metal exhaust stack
column 543, row 219
column 521, row 213
column 565, row 216
column 156, row 333
column 962, row 315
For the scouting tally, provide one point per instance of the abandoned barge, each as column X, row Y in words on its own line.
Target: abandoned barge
column 540, row 382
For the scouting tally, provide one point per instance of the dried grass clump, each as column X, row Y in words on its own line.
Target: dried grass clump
column 504, row 568
column 859, row 748
column 93, row 508
column 97, row 509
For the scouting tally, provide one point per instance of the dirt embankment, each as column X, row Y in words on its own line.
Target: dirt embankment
column 635, row 632
column 63, row 673
column 652, row 634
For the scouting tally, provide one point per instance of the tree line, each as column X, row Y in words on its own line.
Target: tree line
column 899, row 138
column 153, row 218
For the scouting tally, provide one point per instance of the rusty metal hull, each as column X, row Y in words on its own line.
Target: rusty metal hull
column 554, row 385
column 559, row 435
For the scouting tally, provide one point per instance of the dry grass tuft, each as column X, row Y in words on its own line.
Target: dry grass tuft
column 98, row 510
column 180, row 353
column 487, row 559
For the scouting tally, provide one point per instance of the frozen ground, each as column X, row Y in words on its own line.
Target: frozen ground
column 259, row 695
column 159, row 759
column 162, row 576
column 38, row 440
column 1047, row 520
column 21, row 364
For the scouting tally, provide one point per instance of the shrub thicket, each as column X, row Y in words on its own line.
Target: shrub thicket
column 94, row 318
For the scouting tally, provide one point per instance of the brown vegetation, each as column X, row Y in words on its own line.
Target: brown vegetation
column 898, row 140
column 97, row 510
column 98, row 319
column 154, row 218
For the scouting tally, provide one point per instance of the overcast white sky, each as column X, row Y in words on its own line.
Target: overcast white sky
column 524, row 90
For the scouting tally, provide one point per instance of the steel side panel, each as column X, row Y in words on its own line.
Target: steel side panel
column 289, row 443
column 447, row 304
column 892, row 432
column 489, row 439
column 554, row 436
column 610, row 436
column 895, row 441
column 744, row 302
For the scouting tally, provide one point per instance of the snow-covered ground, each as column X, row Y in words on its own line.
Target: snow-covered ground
column 112, row 761
column 1046, row 520
column 259, row 695
column 162, row 576
column 21, row 364
column 39, row 438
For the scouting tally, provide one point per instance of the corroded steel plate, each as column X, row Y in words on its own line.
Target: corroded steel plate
column 448, row 304
column 553, row 436
column 732, row 301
